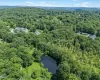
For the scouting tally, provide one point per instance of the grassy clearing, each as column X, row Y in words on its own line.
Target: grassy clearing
column 29, row 70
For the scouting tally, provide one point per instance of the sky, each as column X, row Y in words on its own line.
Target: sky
column 52, row 3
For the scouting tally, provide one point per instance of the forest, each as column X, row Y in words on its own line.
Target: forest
column 70, row 37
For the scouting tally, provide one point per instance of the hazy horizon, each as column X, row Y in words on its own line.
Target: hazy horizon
column 51, row 3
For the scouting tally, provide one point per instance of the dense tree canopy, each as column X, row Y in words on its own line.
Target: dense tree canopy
column 64, row 35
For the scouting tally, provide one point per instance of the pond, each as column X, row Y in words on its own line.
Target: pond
column 49, row 63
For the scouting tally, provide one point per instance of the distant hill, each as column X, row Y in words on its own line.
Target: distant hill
column 69, row 8
column 54, row 8
column 2, row 7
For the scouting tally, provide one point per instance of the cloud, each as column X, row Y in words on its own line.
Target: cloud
column 47, row 4
column 29, row 3
column 54, row 2
column 75, row 0
column 84, row 4
column 41, row 3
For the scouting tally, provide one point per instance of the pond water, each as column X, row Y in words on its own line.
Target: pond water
column 49, row 63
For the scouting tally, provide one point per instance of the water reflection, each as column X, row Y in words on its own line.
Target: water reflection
column 49, row 63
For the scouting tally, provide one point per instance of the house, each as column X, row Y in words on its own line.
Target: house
column 19, row 29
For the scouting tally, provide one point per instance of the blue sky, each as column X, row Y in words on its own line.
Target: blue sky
column 52, row 3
